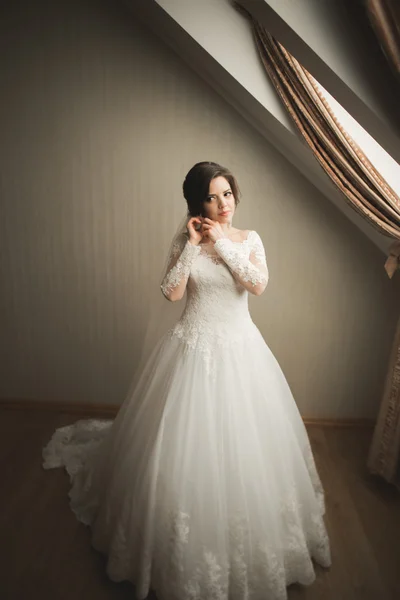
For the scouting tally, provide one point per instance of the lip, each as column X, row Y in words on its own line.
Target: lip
column 223, row 214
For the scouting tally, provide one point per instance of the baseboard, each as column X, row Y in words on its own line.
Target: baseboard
column 323, row 422
column 90, row 410
column 110, row 411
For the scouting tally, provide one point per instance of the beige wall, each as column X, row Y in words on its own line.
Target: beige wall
column 100, row 122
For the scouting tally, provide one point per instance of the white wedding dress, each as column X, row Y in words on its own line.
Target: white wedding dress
column 204, row 487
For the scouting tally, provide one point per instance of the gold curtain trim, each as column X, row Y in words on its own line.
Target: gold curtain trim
column 375, row 175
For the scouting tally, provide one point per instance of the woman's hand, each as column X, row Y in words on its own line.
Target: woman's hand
column 212, row 230
column 195, row 236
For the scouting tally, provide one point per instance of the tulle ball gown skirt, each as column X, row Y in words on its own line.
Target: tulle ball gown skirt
column 204, row 487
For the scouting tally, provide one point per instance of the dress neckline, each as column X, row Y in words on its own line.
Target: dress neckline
column 241, row 242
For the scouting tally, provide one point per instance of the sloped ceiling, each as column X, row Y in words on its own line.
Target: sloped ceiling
column 217, row 42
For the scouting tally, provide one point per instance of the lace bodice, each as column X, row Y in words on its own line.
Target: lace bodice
column 216, row 311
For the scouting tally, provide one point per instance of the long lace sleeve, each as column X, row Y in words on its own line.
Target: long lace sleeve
column 251, row 272
column 180, row 261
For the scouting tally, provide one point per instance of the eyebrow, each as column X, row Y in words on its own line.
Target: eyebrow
column 212, row 195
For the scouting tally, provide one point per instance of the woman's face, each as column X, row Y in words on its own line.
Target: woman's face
column 220, row 203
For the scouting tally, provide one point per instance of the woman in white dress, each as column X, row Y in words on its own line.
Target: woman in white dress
column 204, row 487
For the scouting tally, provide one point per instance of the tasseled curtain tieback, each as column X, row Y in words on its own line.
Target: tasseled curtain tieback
column 393, row 260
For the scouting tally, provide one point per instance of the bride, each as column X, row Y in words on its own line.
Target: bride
column 204, row 487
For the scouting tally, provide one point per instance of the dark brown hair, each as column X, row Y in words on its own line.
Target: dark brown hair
column 197, row 184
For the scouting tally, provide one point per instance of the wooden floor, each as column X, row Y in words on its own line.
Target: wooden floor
column 46, row 553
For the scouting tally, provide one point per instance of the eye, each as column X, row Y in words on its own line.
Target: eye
column 227, row 193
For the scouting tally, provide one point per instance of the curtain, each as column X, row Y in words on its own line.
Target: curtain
column 363, row 188
column 383, row 459
column 384, row 453
column 384, row 17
